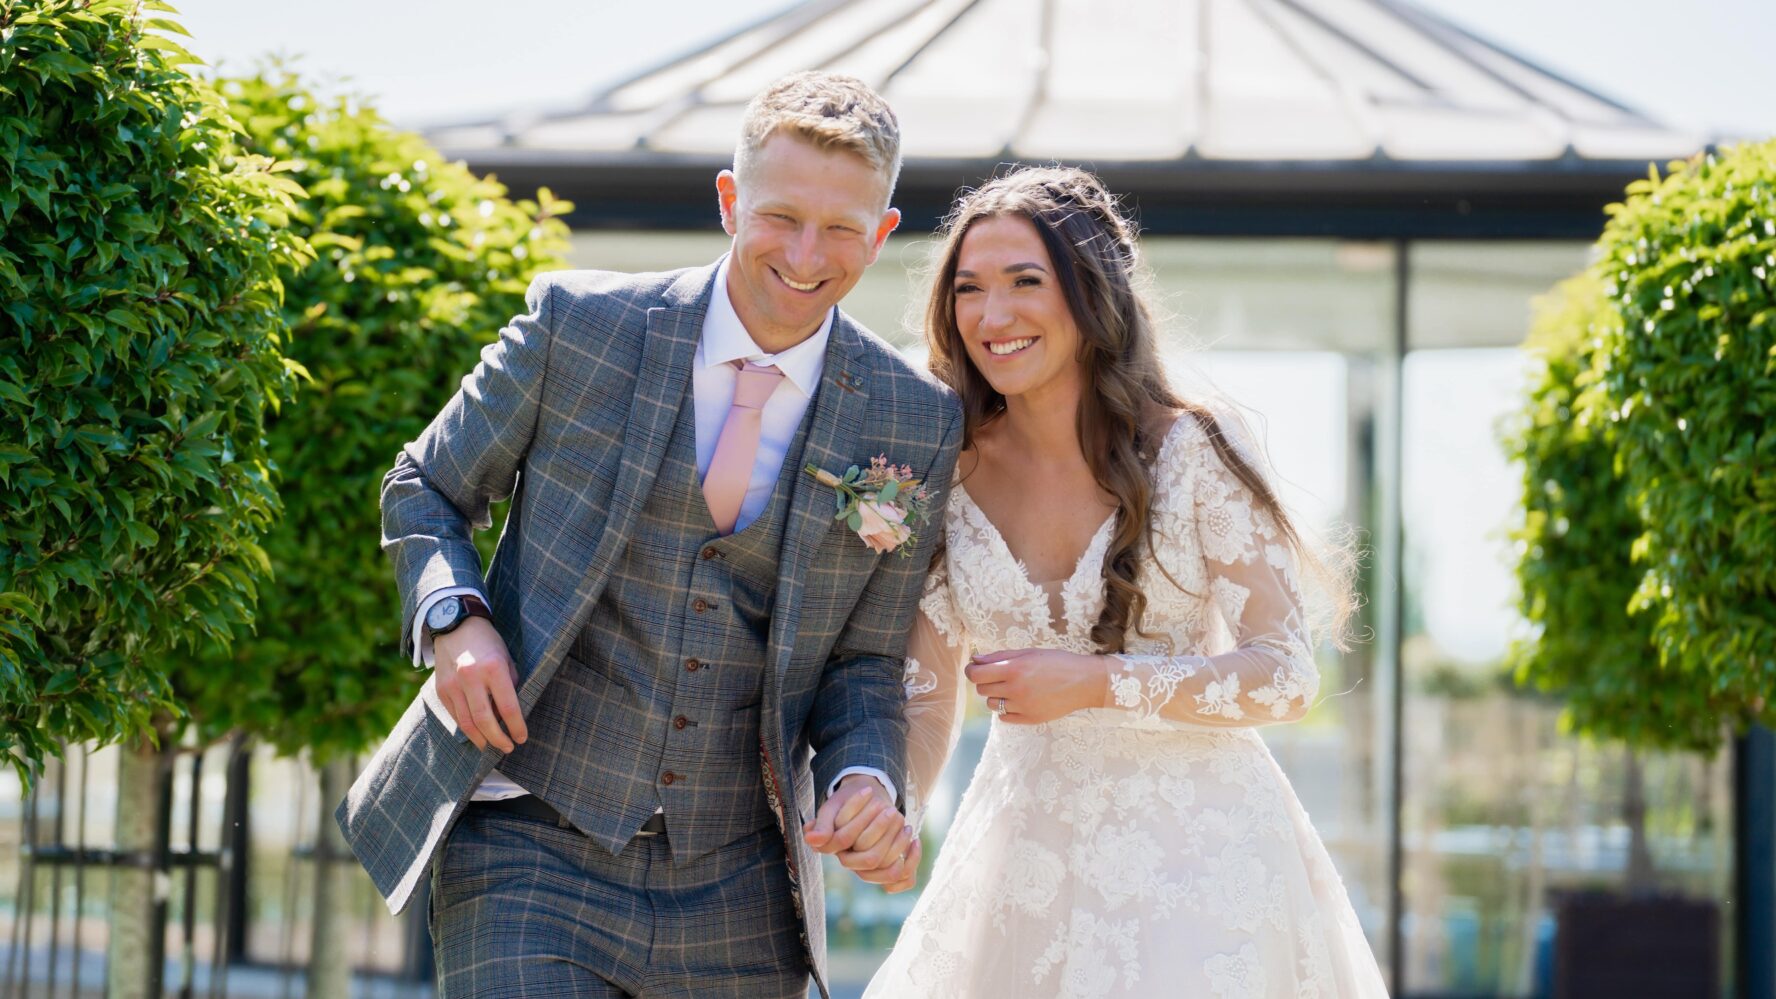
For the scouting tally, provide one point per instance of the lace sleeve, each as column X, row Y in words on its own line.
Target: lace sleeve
column 935, row 653
column 1269, row 675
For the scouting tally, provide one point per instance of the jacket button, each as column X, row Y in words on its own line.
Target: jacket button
column 709, row 552
column 668, row 777
column 700, row 605
column 680, row 722
column 692, row 665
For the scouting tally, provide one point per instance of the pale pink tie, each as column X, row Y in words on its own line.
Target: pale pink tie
column 736, row 449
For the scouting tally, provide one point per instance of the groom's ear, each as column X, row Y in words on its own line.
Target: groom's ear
column 890, row 222
column 727, row 195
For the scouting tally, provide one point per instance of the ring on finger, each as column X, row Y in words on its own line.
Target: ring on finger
column 999, row 707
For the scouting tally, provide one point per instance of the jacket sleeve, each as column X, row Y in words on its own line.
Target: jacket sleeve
column 444, row 482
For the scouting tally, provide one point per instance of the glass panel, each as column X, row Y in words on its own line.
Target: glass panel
column 1479, row 294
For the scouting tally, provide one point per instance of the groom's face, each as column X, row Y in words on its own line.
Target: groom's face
column 805, row 222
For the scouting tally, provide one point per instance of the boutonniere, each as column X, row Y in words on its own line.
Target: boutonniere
column 882, row 503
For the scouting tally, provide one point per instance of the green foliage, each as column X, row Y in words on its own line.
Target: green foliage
column 419, row 263
column 1691, row 378
column 1575, row 574
column 1649, row 446
column 139, row 346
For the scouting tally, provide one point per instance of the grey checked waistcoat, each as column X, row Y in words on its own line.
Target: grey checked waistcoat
column 634, row 702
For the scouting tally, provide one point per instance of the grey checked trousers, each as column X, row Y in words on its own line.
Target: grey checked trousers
column 524, row 907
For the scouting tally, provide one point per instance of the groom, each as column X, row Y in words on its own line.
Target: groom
column 677, row 650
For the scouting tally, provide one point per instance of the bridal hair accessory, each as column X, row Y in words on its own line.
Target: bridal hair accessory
column 882, row 503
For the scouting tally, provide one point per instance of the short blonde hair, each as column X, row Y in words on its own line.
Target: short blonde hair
column 830, row 110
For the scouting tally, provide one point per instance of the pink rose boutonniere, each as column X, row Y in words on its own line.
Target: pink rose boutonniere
column 882, row 503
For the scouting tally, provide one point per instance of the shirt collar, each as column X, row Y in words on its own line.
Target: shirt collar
column 725, row 340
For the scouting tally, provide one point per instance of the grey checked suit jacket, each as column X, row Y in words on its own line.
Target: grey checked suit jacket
column 570, row 412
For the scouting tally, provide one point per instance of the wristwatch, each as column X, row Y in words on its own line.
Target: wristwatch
column 449, row 613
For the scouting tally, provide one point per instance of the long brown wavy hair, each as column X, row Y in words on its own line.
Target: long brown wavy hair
column 1095, row 253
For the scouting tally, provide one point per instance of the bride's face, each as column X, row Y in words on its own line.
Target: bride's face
column 1011, row 311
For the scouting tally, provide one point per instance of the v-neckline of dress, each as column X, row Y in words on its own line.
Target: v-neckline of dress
column 1035, row 590
column 1070, row 596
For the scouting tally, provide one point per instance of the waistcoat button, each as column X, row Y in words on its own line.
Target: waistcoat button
column 692, row 665
column 700, row 605
column 710, row 552
column 668, row 777
column 680, row 722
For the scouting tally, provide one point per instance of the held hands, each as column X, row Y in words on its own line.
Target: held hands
column 863, row 829
column 1039, row 685
column 477, row 682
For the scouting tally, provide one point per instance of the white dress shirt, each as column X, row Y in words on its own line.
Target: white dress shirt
column 724, row 339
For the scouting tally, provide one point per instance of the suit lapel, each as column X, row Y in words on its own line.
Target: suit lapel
column 661, row 386
column 832, row 439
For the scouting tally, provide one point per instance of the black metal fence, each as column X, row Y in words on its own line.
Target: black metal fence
column 229, row 866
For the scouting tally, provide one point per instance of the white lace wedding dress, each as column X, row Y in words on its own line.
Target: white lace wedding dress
column 1151, row 847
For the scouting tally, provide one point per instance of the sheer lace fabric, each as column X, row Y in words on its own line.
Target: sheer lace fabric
column 1151, row 847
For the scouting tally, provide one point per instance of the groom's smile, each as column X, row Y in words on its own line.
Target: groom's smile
column 805, row 287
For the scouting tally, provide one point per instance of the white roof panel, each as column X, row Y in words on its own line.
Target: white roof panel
column 1123, row 80
column 968, row 91
column 1080, row 130
column 813, row 47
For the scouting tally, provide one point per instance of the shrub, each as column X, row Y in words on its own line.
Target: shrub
column 140, row 331
column 418, row 264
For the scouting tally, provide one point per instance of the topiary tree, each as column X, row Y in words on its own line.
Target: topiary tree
column 1648, row 562
column 1576, row 575
column 140, row 346
column 142, row 306
column 419, row 263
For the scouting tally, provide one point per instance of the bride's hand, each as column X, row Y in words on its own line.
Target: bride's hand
column 1039, row 685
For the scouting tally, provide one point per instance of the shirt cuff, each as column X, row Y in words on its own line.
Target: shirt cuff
column 422, row 642
column 882, row 778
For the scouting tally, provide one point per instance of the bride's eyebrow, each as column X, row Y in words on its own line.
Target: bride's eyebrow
column 1028, row 265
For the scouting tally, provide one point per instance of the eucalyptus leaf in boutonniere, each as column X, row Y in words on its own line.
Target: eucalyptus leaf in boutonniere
column 882, row 503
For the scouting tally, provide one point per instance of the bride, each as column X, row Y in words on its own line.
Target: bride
column 1129, row 588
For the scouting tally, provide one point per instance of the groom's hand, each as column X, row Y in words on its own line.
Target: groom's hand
column 478, row 683
column 861, row 826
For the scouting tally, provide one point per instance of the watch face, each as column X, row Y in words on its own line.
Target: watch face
column 444, row 613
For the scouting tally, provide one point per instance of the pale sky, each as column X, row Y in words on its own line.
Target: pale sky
column 1708, row 66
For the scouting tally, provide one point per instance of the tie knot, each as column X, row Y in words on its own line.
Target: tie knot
column 757, row 382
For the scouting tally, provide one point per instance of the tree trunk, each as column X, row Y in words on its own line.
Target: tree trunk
column 329, row 964
column 1640, row 881
column 137, row 902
